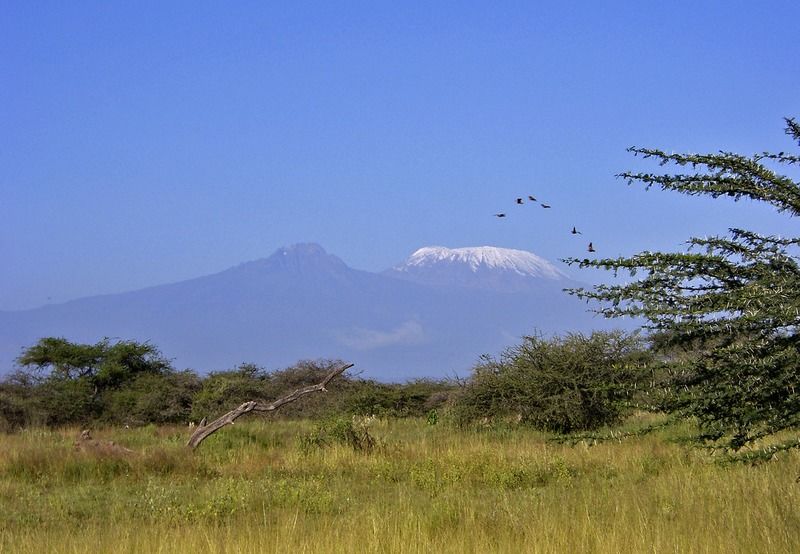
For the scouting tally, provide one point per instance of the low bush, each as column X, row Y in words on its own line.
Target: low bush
column 352, row 432
column 564, row 384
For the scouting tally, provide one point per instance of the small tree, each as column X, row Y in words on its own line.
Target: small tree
column 104, row 364
column 732, row 300
column 81, row 376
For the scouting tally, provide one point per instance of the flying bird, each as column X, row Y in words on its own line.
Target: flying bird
column 591, row 248
column 575, row 231
column 500, row 215
column 545, row 205
column 531, row 198
column 519, row 200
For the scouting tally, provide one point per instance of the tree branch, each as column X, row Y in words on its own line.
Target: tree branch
column 203, row 431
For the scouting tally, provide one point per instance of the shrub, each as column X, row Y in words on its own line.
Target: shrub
column 223, row 390
column 152, row 398
column 352, row 432
column 564, row 384
column 413, row 399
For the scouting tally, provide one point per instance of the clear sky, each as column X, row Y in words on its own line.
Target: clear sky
column 150, row 142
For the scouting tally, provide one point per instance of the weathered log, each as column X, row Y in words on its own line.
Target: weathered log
column 202, row 431
column 86, row 443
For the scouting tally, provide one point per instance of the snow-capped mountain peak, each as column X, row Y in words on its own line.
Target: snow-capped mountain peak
column 484, row 257
column 481, row 267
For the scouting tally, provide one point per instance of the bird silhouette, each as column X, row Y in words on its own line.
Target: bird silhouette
column 500, row 215
column 591, row 248
column 531, row 198
column 545, row 205
column 575, row 231
column 519, row 200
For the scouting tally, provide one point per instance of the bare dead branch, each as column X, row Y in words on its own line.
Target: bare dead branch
column 202, row 431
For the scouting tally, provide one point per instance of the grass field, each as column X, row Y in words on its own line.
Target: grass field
column 257, row 487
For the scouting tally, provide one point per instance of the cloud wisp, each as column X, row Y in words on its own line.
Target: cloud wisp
column 409, row 332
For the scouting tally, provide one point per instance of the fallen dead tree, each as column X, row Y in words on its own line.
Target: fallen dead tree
column 85, row 443
column 204, row 430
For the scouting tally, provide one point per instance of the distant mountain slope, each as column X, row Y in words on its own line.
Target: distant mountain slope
column 431, row 316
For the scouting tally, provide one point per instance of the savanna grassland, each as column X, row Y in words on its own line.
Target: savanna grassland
column 275, row 486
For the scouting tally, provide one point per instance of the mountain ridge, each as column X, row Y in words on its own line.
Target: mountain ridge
column 303, row 303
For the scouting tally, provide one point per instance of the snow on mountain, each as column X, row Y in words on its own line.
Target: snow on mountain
column 488, row 257
column 481, row 267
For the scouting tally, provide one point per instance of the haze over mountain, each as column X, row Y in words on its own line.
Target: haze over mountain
column 432, row 315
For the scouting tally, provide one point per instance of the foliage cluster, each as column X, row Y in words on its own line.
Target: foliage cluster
column 65, row 383
column 730, row 304
column 353, row 432
column 564, row 384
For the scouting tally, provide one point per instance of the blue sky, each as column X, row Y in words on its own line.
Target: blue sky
column 144, row 143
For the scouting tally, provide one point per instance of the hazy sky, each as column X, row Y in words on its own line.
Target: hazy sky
column 143, row 143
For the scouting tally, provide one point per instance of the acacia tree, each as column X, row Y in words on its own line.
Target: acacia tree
column 732, row 300
column 81, row 382
column 104, row 364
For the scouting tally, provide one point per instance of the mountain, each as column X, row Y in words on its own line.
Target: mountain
column 431, row 316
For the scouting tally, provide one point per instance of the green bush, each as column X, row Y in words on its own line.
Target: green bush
column 19, row 406
column 68, row 401
column 151, row 398
column 222, row 391
column 352, row 432
column 413, row 399
column 313, row 406
column 564, row 384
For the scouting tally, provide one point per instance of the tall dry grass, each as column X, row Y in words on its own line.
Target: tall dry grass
column 257, row 487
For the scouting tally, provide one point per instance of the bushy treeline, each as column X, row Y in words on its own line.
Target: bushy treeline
column 130, row 383
column 560, row 384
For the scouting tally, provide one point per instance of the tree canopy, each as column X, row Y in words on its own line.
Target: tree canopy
column 731, row 301
column 104, row 364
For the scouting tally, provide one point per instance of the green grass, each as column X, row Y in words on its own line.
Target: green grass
column 257, row 487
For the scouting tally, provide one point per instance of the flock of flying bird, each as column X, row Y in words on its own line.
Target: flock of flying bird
column 546, row 206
